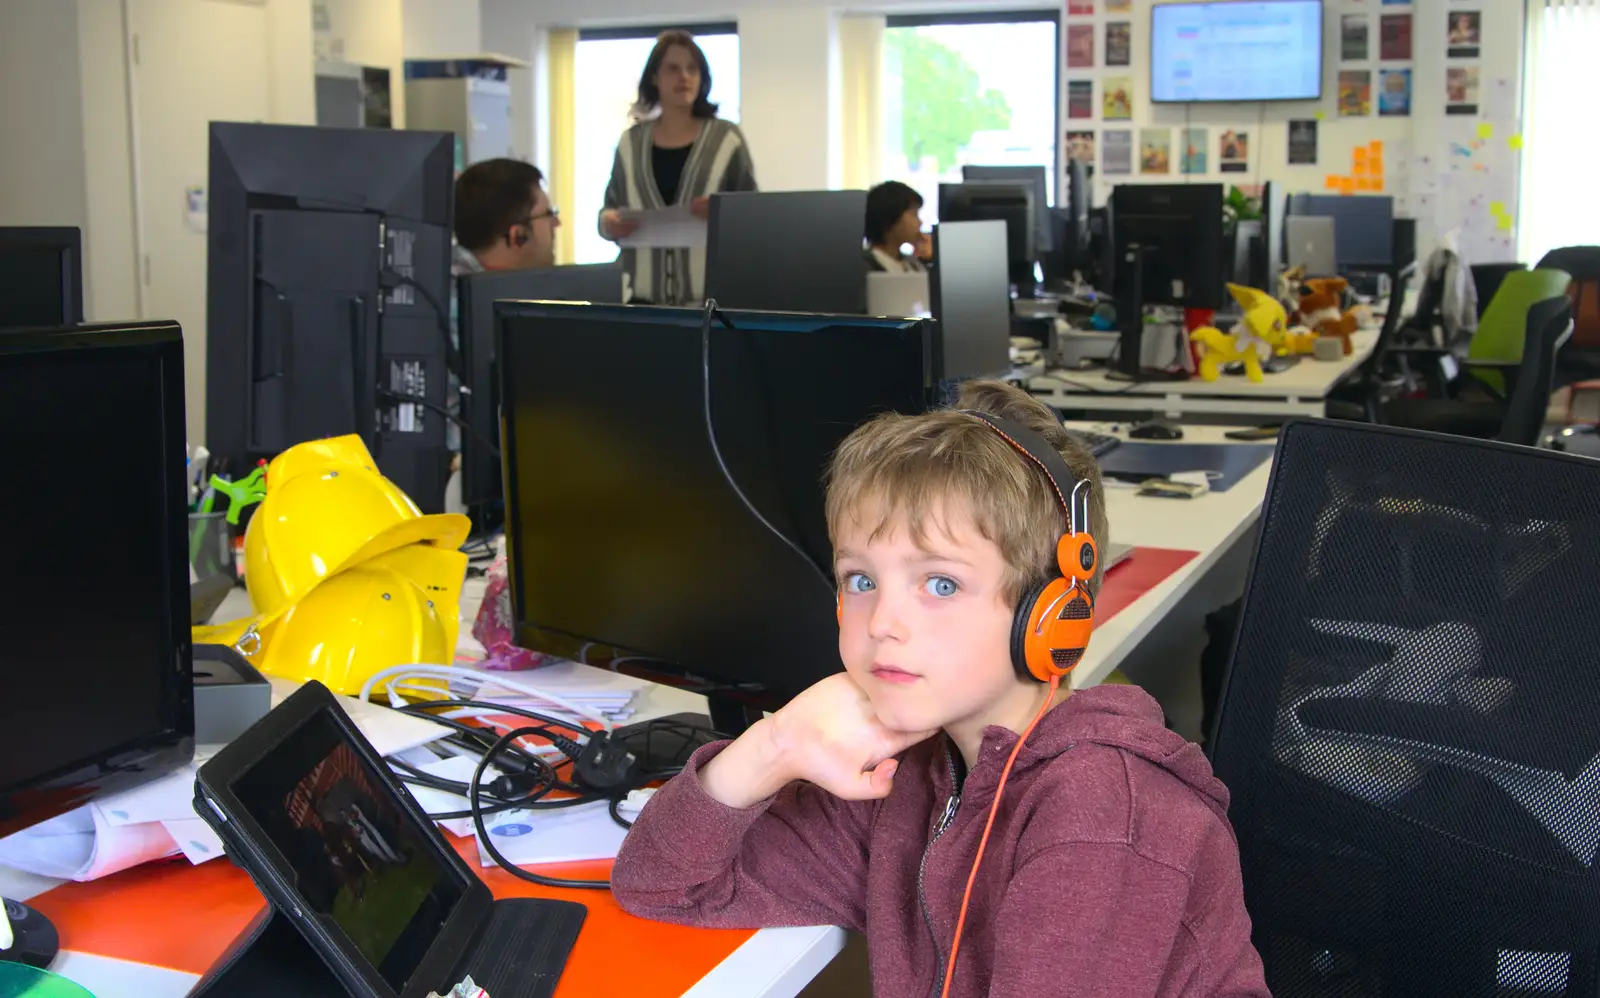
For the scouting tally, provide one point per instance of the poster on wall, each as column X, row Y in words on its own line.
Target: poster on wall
column 1080, row 147
column 1155, row 150
column 1303, row 142
column 1461, row 90
column 1119, row 6
column 1117, row 98
column 1394, row 37
column 1233, row 152
column 1394, row 93
column 1192, row 159
column 1465, row 34
column 1080, row 99
column 1080, row 46
column 1116, row 152
column 1355, row 93
column 1119, row 43
column 1353, row 38
column 1080, row 8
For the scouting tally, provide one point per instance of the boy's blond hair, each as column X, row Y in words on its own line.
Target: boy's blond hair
column 897, row 469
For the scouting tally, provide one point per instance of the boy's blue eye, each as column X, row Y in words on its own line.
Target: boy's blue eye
column 856, row 582
column 940, row 585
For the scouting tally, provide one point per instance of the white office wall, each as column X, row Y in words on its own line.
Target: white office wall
column 442, row 28
column 42, row 157
column 789, row 109
column 110, row 246
column 508, row 30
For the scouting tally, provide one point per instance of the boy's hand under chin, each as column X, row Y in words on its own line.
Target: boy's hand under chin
column 828, row 735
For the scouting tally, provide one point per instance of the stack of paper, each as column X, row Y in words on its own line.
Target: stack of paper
column 610, row 694
column 157, row 820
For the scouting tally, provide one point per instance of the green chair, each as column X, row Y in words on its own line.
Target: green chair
column 1503, row 328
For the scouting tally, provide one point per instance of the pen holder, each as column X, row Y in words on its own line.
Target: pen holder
column 211, row 546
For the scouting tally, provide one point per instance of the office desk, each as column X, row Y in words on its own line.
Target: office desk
column 150, row 931
column 1211, row 525
column 1302, row 390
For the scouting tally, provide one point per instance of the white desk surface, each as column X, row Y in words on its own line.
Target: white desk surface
column 1210, row 525
column 1300, row 390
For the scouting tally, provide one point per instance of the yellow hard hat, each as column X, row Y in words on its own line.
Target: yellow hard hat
column 397, row 608
column 327, row 508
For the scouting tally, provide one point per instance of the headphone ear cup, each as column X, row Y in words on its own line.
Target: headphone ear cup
column 1019, row 627
column 1056, row 631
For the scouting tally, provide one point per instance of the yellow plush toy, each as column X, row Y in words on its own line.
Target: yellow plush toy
column 1263, row 329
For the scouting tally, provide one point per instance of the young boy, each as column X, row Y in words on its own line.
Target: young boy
column 1111, row 869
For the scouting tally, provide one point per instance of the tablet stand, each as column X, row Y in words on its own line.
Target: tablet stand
column 270, row 959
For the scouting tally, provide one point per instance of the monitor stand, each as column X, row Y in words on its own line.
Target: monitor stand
column 1130, row 324
column 34, row 940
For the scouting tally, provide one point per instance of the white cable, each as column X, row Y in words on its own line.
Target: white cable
column 405, row 675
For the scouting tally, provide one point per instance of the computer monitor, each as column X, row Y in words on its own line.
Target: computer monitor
column 480, row 402
column 328, row 293
column 971, row 299
column 1169, row 251
column 97, row 654
column 1267, row 263
column 1037, row 178
column 627, row 537
column 41, row 276
column 1363, row 227
column 792, row 251
column 1012, row 203
column 1070, row 229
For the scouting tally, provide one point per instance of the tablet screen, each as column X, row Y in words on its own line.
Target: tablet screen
column 356, row 855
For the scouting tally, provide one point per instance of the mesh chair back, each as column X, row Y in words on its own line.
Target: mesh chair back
column 1410, row 727
column 1549, row 326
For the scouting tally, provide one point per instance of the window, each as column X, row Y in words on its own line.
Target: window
column 608, row 64
column 1561, row 77
column 976, row 90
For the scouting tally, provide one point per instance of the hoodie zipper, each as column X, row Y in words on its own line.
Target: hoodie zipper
column 945, row 821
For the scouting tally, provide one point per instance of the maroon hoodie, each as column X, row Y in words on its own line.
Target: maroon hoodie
column 1111, row 870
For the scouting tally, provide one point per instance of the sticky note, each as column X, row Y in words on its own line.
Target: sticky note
column 1375, row 147
column 1377, row 184
column 1375, row 164
column 1503, row 223
column 1347, row 185
column 1359, row 170
column 1332, row 182
column 1364, row 183
column 1359, row 155
column 1497, row 208
column 1514, row 141
column 1485, row 130
column 1321, row 115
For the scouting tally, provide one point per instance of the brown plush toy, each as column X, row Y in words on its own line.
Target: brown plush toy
column 1319, row 310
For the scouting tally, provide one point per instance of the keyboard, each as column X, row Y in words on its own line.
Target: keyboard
column 1099, row 444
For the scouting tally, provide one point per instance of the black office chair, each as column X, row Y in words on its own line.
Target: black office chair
column 1474, row 407
column 1580, row 358
column 1410, row 725
column 1361, row 396
column 1487, row 278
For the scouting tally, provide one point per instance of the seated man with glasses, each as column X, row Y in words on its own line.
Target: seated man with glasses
column 504, row 218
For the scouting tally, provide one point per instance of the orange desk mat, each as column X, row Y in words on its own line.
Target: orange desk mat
column 175, row 915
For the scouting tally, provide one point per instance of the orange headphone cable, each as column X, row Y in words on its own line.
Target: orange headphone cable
column 994, row 809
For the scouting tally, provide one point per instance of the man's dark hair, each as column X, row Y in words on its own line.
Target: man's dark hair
column 885, row 204
column 491, row 197
column 650, row 94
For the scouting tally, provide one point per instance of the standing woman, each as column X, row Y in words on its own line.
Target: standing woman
column 678, row 152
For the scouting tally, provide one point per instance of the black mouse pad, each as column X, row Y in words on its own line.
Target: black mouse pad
column 1224, row 464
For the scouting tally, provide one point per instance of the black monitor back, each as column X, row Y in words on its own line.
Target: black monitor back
column 310, row 232
column 792, row 251
column 1009, row 202
column 480, row 401
column 971, row 299
column 625, row 536
column 96, row 648
column 1037, row 179
column 1268, row 264
column 41, row 276
column 1182, row 226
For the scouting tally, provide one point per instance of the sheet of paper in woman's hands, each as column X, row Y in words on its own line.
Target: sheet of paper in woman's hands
column 674, row 227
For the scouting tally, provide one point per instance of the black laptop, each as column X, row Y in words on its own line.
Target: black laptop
column 343, row 852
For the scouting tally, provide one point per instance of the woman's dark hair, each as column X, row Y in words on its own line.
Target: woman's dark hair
column 650, row 94
column 885, row 204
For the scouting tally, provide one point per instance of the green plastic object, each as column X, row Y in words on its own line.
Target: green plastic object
column 1504, row 325
column 20, row 981
column 247, row 491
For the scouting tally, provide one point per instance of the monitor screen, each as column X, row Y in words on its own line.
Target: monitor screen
column 357, row 858
column 1239, row 50
column 1363, row 227
column 94, row 640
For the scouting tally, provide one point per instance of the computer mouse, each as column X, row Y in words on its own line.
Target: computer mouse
column 1156, row 429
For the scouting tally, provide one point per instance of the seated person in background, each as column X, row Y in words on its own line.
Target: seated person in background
column 504, row 219
column 892, row 222
column 1111, row 869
